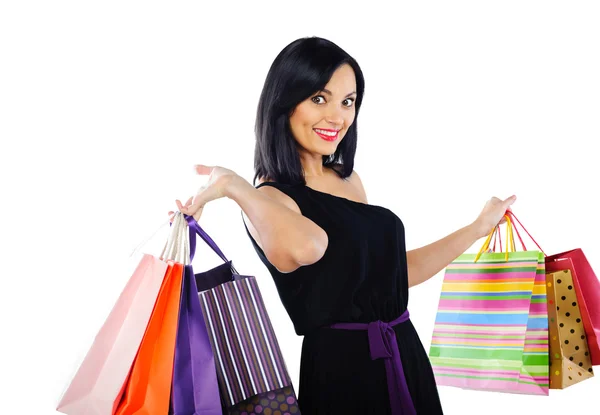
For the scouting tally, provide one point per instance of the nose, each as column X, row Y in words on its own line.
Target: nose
column 334, row 117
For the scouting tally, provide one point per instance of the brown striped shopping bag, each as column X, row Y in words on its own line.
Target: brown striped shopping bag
column 251, row 371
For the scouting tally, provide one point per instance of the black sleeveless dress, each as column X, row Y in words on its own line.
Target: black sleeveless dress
column 362, row 277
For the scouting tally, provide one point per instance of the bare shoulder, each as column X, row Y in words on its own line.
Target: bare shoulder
column 277, row 195
column 354, row 178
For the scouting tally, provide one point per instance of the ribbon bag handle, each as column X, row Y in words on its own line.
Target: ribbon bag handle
column 510, row 242
column 196, row 229
column 511, row 213
column 510, row 231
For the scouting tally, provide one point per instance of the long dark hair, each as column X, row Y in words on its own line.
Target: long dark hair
column 301, row 69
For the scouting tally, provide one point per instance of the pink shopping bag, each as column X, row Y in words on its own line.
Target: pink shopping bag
column 97, row 387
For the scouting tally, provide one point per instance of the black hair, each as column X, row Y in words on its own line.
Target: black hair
column 301, row 69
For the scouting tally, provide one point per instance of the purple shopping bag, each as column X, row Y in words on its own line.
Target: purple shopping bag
column 195, row 389
column 250, row 368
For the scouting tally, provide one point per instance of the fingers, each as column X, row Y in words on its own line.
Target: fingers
column 203, row 170
column 184, row 208
column 189, row 208
column 509, row 201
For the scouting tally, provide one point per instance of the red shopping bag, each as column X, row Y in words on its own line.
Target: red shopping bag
column 587, row 288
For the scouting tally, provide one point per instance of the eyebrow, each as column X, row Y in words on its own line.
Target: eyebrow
column 329, row 92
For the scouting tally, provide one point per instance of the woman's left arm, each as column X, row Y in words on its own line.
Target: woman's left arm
column 427, row 261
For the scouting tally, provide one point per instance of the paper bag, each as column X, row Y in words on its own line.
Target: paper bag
column 587, row 287
column 570, row 361
column 98, row 385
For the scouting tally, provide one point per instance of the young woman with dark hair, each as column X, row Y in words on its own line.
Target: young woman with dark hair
column 340, row 265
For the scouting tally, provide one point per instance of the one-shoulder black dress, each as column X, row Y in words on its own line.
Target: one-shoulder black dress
column 361, row 278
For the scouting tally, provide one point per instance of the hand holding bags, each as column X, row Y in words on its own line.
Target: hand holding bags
column 573, row 319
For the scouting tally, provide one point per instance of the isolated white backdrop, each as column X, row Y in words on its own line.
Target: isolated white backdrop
column 106, row 106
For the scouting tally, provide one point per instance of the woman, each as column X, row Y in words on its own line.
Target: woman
column 339, row 264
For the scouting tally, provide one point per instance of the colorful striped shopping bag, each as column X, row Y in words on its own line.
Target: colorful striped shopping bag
column 491, row 329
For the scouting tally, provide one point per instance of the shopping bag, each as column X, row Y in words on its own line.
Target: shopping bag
column 97, row 386
column 250, row 367
column 282, row 400
column 148, row 388
column 195, row 389
column 149, row 385
column 491, row 327
column 570, row 361
column 587, row 288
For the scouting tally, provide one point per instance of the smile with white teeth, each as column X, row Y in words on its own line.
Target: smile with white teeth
column 328, row 133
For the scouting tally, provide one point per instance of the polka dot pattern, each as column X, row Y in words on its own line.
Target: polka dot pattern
column 279, row 402
column 569, row 355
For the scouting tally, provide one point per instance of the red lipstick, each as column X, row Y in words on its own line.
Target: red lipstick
column 327, row 134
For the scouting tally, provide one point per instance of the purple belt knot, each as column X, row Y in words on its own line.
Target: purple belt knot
column 383, row 345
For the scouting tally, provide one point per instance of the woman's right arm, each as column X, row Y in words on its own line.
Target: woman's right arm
column 288, row 239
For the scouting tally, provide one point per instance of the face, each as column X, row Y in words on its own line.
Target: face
column 320, row 122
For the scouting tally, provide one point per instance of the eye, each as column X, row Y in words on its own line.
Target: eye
column 316, row 99
column 348, row 102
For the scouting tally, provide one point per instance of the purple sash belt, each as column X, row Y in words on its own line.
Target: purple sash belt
column 383, row 345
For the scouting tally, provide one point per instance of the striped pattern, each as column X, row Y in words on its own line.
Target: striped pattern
column 248, row 357
column 535, row 372
column 491, row 329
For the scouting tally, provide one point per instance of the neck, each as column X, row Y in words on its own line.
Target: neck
column 313, row 167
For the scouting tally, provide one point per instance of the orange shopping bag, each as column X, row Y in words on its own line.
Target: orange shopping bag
column 148, row 388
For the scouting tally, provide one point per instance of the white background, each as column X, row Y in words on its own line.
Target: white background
column 105, row 107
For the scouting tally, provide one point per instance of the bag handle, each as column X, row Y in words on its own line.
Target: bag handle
column 167, row 250
column 511, row 213
column 183, row 256
column 196, row 229
column 495, row 233
column 177, row 247
column 510, row 243
column 497, row 239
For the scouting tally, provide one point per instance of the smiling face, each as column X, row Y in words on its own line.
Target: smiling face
column 320, row 122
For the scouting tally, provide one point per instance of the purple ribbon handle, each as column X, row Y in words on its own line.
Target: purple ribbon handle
column 196, row 229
